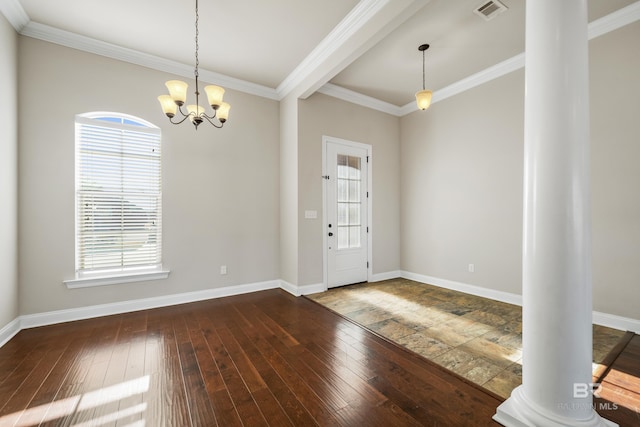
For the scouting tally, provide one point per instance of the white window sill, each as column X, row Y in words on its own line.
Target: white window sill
column 88, row 280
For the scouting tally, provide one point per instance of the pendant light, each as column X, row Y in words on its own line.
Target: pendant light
column 423, row 97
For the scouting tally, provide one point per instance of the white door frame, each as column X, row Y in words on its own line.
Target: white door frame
column 325, row 246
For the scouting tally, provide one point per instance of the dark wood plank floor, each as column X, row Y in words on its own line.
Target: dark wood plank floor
column 262, row 359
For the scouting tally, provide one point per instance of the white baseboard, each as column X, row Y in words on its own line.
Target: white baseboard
column 466, row 288
column 9, row 331
column 602, row 319
column 616, row 322
column 298, row 290
column 80, row 313
column 379, row 277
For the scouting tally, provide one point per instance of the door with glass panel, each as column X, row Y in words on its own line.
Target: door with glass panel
column 346, row 214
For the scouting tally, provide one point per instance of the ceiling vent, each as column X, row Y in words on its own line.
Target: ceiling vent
column 490, row 9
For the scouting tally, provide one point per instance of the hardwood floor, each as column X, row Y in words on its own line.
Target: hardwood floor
column 618, row 397
column 261, row 359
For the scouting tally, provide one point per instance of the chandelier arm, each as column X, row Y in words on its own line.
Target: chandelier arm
column 180, row 121
column 184, row 116
column 183, row 113
column 203, row 115
column 215, row 113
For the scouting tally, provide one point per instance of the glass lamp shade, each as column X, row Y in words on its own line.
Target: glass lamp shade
column 223, row 112
column 195, row 111
column 177, row 90
column 214, row 95
column 169, row 107
column 423, row 98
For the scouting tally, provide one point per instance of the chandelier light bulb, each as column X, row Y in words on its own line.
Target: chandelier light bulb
column 177, row 91
column 214, row 95
column 169, row 107
column 223, row 112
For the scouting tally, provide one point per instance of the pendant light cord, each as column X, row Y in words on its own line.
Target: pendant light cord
column 423, row 85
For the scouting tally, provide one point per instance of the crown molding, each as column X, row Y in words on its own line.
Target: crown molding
column 88, row 44
column 360, row 99
column 505, row 67
column 15, row 14
column 484, row 76
column 618, row 19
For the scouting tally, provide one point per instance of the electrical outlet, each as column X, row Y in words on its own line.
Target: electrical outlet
column 472, row 268
column 223, row 269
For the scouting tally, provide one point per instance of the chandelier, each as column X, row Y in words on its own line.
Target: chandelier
column 423, row 97
column 174, row 102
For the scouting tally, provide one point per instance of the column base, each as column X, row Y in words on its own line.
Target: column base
column 518, row 411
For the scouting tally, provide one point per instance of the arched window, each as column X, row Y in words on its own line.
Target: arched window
column 118, row 195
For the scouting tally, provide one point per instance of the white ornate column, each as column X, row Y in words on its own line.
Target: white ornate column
column 557, row 306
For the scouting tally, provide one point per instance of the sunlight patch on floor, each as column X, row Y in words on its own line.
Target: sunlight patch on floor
column 67, row 406
column 115, row 416
column 477, row 338
column 411, row 312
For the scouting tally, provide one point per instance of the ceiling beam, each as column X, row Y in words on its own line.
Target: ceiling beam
column 368, row 23
column 15, row 14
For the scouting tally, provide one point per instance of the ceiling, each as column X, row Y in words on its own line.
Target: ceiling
column 272, row 47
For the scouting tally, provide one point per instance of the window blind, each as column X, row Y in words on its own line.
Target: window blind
column 118, row 194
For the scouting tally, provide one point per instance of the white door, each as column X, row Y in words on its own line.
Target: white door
column 346, row 205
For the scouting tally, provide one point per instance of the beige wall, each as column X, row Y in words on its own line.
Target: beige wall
column 8, row 174
column 323, row 115
column 462, row 168
column 615, row 156
column 461, row 174
column 289, row 190
column 447, row 183
column 220, row 186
